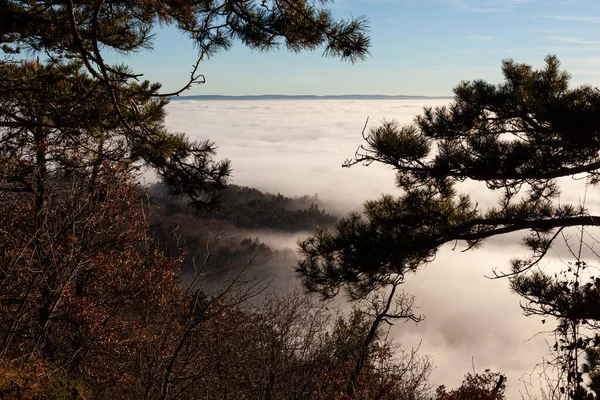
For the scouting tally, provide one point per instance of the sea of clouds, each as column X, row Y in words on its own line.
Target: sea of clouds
column 297, row 147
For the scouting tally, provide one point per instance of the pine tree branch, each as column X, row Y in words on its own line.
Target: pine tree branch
column 507, row 225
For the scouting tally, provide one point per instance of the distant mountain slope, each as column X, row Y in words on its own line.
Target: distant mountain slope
column 309, row 97
column 245, row 207
column 224, row 239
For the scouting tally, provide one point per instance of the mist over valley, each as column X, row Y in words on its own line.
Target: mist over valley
column 295, row 148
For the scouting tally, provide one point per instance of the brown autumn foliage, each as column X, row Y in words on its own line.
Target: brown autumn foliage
column 78, row 268
column 90, row 307
column 486, row 386
column 289, row 347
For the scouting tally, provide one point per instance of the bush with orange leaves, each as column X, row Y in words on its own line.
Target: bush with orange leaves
column 35, row 379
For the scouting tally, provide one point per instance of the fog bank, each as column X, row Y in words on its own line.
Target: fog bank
column 297, row 147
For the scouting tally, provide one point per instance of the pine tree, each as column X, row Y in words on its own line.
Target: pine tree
column 76, row 94
column 518, row 137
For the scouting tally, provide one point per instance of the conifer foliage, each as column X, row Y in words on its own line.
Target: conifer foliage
column 518, row 138
column 79, row 92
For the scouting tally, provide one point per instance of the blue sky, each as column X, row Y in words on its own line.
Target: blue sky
column 420, row 47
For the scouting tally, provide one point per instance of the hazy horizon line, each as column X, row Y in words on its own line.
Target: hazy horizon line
column 305, row 96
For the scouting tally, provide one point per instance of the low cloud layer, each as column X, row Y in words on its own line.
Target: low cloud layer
column 297, row 147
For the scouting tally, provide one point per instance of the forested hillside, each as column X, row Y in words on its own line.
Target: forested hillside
column 244, row 207
column 228, row 235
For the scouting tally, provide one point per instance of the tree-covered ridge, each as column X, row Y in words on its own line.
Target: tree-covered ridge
column 246, row 207
column 232, row 230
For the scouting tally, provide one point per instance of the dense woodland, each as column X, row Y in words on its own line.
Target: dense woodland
column 250, row 208
column 112, row 290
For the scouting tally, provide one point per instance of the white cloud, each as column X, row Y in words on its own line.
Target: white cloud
column 486, row 6
column 481, row 37
column 574, row 18
column 550, row 31
column 574, row 40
